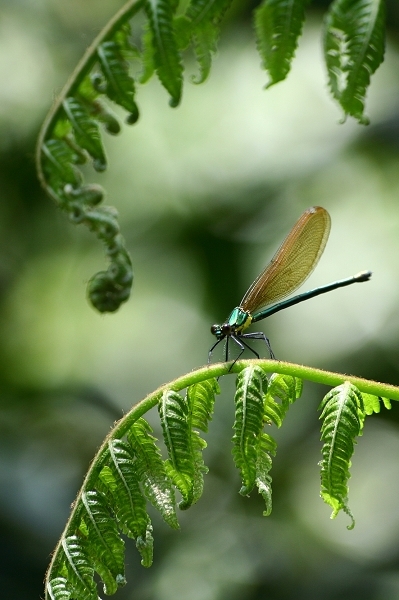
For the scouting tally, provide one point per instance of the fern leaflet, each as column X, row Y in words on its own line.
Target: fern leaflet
column 86, row 131
column 278, row 25
column 106, row 548
column 151, row 472
column 372, row 404
column 200, row 400
column 167, row 59
column 201, row 24
column 126, row 499
column 119, row 86
column 266, row 448
column 173, row 411
column 248, row 425
column 57, row 589
column 354, row 46
column 283, row 387
column 343, row 417
column 78, row 569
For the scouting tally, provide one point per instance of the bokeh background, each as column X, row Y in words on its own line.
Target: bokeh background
column 206, row 193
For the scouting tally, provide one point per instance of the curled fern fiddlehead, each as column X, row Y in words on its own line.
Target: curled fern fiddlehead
column 71, row 135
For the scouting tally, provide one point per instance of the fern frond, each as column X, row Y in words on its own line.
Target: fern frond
column 205, row 17
column 119, row 85
column 151, row 472
column 278, row 25
column 85, row 129
column 78, row 569
column 127, row 501
column 250, row 389
column 167, row 60
column 59, row 165
column 106, row 548
column 372, row 404
column 205, row 39
column 200, row 400
column 285, row 388
column 123, row 472
column 147, row 54
column 58, row 589
column 266, row 447
column 173, row 412
column 354, row 44
column 343, row 417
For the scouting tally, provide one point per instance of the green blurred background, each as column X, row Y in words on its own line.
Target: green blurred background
column 206, row 193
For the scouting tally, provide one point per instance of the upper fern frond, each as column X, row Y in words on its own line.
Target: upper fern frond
column 118, row 62
column 278, row 25
column 354, row 46
column 167, row 59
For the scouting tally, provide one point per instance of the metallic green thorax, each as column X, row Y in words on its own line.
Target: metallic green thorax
column 239, row 319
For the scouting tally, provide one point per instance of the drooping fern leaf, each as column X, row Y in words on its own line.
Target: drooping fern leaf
column 180, row 419
column 58, row 589
column 343, row 417
column 71, row 134
column 249, row 421
column 167, row 60
column 205, row 41
column 78, row 569
column 266, row 448
column 201, row 25
column 253, row 448
column 287, row 389
column 173, row 412
column 278, row 25
column 86, row 131
column 151, row 472
column 106, row 549
column 118, row 85
column 354, row 44
column 126, row 498
column 200, row 398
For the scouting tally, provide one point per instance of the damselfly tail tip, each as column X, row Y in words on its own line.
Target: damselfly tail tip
column 362, row 276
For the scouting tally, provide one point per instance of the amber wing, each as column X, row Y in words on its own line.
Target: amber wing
column 293, row 262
